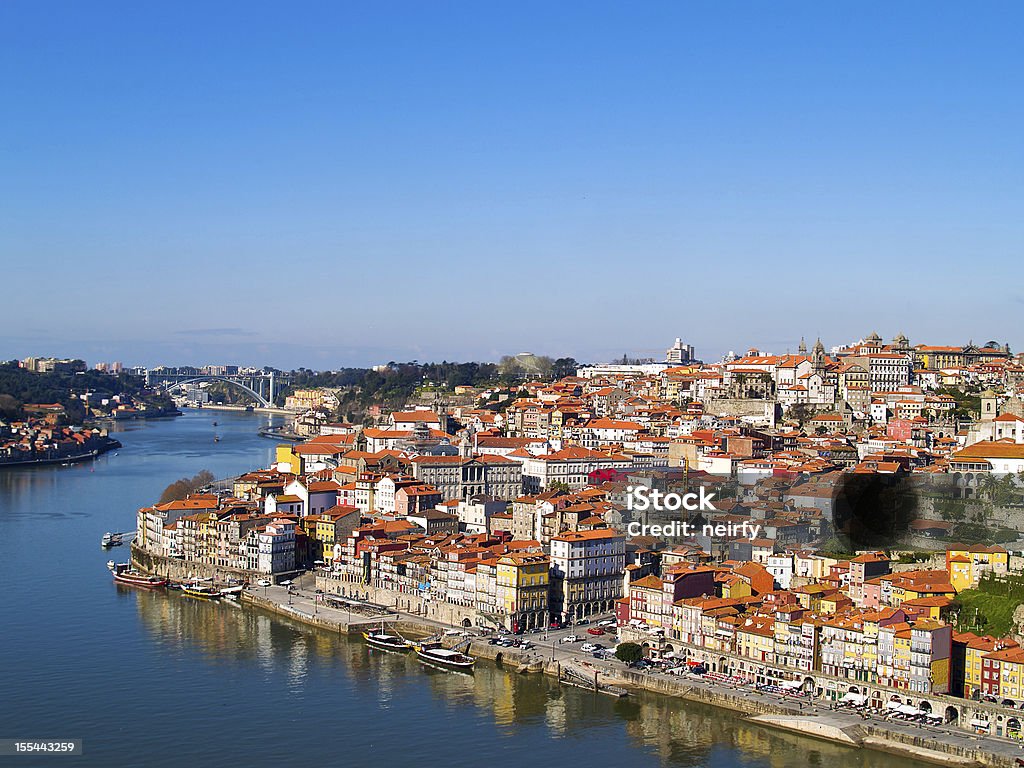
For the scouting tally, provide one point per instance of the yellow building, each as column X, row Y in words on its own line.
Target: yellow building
column 968, row 565
column 755, row 639
column 961, row 572
column 522, row 589
column 1003, row 676
column 975, row 649
column 288, row 460
column 911, row 585
column 329, row 529
column 734, row 587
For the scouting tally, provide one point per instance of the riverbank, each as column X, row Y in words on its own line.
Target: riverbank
column 793, row 715
column 787, row 715
column 241, row 408
column 280, row 433
column 112, row 445
column 165, row 413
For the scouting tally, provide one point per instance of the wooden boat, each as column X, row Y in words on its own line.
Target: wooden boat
column 444, row 658
column 200, row 591
column 124, row 574
column 386, row 642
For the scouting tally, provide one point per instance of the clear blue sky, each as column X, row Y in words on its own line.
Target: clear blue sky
column 324, row 184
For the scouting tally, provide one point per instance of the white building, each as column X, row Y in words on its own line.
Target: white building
column 1000, row 456
column 571, row 466
column 781, row 569
column 276, row 547
column 586, row 572
column 475, row 515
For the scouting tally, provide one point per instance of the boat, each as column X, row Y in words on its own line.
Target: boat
column 125, row 574
column 445, row 658
column 215, row 423
column 216, row 438
column 107, row 540
column 200, row 591
column 386, row 642
column 232, row 592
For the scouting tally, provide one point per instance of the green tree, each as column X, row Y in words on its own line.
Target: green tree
column 10, row 408
column 182, row 488
column 629, row 652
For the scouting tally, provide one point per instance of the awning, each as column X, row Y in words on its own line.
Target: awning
column 893, row 705
column 979, row 723
column 853, row 698
column 910, row 709
column 790, row 684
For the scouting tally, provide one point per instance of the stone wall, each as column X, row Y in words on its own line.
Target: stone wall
column 445, row 613
column 183, row 570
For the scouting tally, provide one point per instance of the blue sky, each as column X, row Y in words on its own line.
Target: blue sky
column 331, row 184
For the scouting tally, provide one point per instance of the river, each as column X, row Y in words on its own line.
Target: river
column 159, row 680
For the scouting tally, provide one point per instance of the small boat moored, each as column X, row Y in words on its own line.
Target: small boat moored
column 386, row 642
column 445, row 658
column 200, row 591
column 125, row 574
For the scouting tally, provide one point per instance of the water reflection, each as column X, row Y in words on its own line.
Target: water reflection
column 672, row 732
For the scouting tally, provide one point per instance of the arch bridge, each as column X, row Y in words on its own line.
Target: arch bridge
column 242, row 382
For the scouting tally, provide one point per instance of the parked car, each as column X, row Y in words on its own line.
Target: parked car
column 607, row 623
column 569, row 639
column 263, row 583
column 595, row 631
column 588, row 647
column 581, row 622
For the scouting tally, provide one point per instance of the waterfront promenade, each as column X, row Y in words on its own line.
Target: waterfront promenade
column 933, row 743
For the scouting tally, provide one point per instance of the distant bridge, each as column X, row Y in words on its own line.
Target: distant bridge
column 259, row 385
